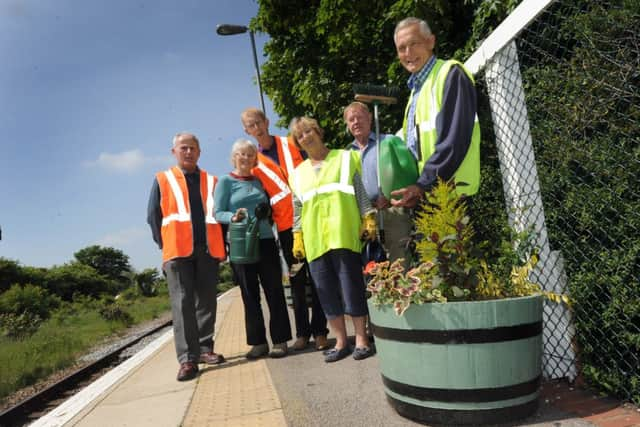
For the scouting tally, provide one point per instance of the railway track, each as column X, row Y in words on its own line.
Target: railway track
column 35, row 406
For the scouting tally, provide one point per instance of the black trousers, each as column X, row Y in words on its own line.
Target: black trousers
column 305, row 327
column 266, row 272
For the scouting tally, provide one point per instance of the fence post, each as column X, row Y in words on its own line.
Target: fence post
column 524, row 202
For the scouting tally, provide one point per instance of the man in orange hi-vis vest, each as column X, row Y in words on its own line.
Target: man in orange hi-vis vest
column 180, row 214
column 277, row 158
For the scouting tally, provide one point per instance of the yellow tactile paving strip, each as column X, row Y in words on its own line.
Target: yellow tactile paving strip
column 239, row 392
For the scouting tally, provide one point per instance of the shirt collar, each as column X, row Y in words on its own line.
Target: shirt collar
column 184, row 172
column 261, row 149
column 371, row 140
column 417, row 79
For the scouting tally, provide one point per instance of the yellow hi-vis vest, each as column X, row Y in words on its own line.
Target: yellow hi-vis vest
column 330, row 215
column 428, row 107
column 176, row 230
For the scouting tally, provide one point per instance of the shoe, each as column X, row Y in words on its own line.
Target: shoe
column 211, row 358
column 279, row 350
column 257, row 351
column 334, row 354
column 188, row 371
column 362, row 353
column 321, row 342
column 301, row 343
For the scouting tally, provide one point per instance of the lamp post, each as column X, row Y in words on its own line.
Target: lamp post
column 230, row 30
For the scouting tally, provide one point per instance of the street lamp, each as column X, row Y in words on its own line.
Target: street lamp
column 230, row 30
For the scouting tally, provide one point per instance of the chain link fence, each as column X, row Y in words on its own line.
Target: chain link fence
column 561, row 104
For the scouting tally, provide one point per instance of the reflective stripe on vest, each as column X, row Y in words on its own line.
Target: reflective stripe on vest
column 274, row 182
column 282, row 186
column 288, row 160
column 342, row 186
column 209, row 218
column 182, row 215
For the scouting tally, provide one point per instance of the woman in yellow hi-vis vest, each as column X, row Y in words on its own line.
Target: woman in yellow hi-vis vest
column 332, row 215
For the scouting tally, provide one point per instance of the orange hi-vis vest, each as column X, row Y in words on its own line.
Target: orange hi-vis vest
column 176, row 230
column 272, row 178
column 288, row 155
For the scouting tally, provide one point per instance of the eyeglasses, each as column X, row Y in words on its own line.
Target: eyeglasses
column 254, row 124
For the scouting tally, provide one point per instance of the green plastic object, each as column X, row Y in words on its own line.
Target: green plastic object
column 397, row 167
column 243, row 242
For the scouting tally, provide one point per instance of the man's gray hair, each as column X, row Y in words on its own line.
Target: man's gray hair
column 187, row 134
column 406, row 22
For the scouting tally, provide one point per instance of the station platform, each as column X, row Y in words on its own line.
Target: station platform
column 298, row 390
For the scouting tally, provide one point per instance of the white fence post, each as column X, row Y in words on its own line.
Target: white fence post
column 524, row 202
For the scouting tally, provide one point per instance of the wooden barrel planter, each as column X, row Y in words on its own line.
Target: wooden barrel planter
column 474, row 362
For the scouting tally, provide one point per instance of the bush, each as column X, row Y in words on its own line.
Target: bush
column 115, row 313
column 19, row 325
column 75, row 278
column 147, row 282
column 28, row 299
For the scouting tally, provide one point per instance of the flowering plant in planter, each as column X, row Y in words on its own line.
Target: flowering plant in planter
column 451, row 266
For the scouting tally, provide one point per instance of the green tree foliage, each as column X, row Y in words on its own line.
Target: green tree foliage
column 28, row 298
column 11, row 272
column 23, row 308
column 76, row 278
column 147, row 281
column 319, row 49
column 109, row 262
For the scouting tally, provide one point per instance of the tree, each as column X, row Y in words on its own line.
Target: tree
column 77, row 278
column 10, row 273
column 109, row 262
column 319, row 49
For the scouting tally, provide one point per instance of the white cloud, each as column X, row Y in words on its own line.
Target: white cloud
column 126, row 161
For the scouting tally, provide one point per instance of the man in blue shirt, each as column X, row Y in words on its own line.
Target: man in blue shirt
column 395, row 221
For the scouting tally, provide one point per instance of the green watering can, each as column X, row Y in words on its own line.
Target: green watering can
column 243, row 241
column 396, row 165
column 244, row 236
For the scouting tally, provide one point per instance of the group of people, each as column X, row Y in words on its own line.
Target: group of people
column 324, row 203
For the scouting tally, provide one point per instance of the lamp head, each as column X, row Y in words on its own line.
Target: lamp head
column 229, row 30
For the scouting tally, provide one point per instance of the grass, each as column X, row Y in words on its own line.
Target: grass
column 64, row 337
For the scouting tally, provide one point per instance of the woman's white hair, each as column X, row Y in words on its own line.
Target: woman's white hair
column 241, row 144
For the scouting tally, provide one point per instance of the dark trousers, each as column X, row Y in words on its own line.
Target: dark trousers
column 299, row 283
column 266, row 272
column 192, row 289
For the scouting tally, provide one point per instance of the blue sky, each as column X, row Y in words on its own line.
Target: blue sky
column 91, row 94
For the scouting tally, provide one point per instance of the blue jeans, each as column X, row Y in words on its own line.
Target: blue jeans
column 338, row 278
